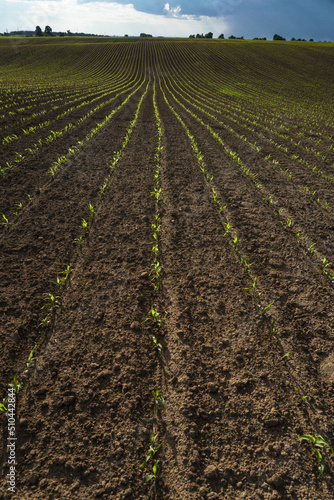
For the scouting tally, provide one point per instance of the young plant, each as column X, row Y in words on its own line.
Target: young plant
column 155, row 316
column 15, row 384
column 157, row 345
column 45, row 321
column 58, row 282
column 91, row 210
column 157, row 464
column 299, row 236
column 302, row 399
column 265, row 309
column 84, row 224
column 79, row 241
column 5, row 221
column 67, row 271
column 31, row 355
column 52, row 302
column 158, row 400
column 317, row 442
column 324, row 265
column 311, row 249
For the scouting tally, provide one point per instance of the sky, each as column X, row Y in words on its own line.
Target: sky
column 248, row 18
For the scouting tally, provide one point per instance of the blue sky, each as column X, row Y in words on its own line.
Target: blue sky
column 248, row 18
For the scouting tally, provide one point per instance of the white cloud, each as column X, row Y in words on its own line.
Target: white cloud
column 173, row 11
column 104, row 18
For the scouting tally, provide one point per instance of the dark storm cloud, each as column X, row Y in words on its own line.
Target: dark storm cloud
column 250, row 18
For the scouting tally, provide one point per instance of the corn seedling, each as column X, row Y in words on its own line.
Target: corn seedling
column 3, row 406
column 298, row 236
column 157, row 464
column 5, row 222
column 30, row 358
column 285, row 358
column 67, row 271
column 253, row 287
column 265, row 309
column 58, row 282
column 15, row 384
column 157, row 345
column 84, row 224
column 52, row 302
column 151, row 451
column 273, row 330
column 311, row 249
column 227, row 227
column 324, row 265
column 45, row 321
column 235, row 242
column 155, row 317
column 156, row 280
column 91, row 210
column 302, row 399
column 158, row 400
column 245, row 264
column 317, row 442
column 79, row 241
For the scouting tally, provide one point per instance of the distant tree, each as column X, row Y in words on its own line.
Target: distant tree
column 191, row 36
column 126, row 36
column 311, row 40
column 232, row 37
column 199, row 36
column 293, row 39
column 145, row 35
column 48, row 31
column 278, row 37
column 38, row 31
column 61, row 33
column 208, row 35
column 221, row 36
column 69, row 33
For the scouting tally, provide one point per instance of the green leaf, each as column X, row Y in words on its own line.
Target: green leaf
column 321, row 470
column 318, row 455
column 148, row 478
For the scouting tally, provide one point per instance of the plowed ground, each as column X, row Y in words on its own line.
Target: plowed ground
column 84, row 415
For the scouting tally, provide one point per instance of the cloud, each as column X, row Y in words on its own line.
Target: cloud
column 248, row 18
column 172, row 11
column 101, row 17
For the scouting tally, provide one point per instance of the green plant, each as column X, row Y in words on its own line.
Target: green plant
column 45, row 321
column 265, row 309
column 158, row 400
column 68, row 270
column 3, row 406
column 15, row 384
column 235, row 242
column 317, row 442
column 324, row 265
column 157, row 463
column 31, row 355
column 84, row 224
column 58, row 282
column 5, row 221
column 155, row 316
column 52, row 302
column 157, row 345
column 311, row 249
column 298, row 236
column 302, row 399
column 79, row 241
column 91, row 209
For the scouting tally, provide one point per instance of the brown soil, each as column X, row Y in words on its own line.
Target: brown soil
column 84, row 414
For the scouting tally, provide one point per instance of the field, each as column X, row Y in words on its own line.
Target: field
column 167, row 269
